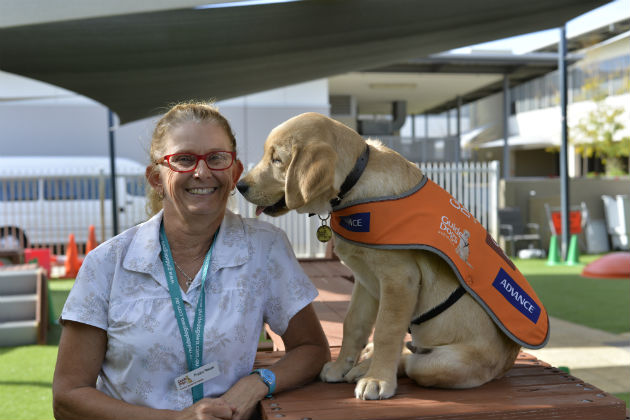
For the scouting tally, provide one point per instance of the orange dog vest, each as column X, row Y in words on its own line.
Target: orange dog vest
column 429, row 218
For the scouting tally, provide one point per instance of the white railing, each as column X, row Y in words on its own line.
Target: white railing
column 300, row 228
column 31, row 206
column 475, row 185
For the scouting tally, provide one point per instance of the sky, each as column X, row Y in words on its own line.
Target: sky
column 608, row 13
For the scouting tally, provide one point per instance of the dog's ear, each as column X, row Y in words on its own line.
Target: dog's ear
column 311, row 173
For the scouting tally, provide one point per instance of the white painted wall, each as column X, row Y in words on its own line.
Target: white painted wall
column 615, row 47
column 253, row 116
column 545, row 123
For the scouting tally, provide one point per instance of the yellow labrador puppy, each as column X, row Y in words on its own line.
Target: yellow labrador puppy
column 310, row 160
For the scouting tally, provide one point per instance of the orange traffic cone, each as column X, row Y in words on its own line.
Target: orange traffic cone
column 91, row 242
column 72, row 263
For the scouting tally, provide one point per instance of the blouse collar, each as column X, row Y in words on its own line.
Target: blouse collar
column 231, row 249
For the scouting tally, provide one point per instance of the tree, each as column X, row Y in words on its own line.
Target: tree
column 597, row 134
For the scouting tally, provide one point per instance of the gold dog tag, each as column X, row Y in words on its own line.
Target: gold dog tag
column 324, row 233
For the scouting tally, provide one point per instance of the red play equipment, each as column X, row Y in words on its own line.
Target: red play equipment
column 611, row 266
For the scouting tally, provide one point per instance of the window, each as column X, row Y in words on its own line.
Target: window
column 75, row 189
column 136, row 186
column 19, row 190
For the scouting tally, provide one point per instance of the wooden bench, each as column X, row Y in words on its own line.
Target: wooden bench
column 532, row 389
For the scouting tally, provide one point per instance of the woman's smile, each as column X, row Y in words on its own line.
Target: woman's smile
column 201, row 191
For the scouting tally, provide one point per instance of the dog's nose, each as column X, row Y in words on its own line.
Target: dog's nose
column 242, row 187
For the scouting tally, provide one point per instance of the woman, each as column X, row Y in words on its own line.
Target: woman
column 182, row 297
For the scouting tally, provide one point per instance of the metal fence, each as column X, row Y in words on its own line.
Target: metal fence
column 44, row 210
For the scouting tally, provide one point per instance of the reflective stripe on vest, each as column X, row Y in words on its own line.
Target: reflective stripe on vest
column 429, row 218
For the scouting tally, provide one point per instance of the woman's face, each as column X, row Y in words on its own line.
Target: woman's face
column 202, row 191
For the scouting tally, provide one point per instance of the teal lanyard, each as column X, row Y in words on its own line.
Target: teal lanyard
column 193, row 346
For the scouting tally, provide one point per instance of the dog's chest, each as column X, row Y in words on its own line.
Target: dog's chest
column 358, row 260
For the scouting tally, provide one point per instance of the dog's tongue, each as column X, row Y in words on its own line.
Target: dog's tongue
column 260, row 209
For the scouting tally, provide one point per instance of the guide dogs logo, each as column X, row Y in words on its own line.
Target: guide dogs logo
column 184, row 381
column 458, row 237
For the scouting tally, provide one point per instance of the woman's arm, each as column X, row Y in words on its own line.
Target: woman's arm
column 81, row 353
column 306, row 353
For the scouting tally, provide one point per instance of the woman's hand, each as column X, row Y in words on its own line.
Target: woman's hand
column 306, row 352
column 208, row 408
column 245, row 395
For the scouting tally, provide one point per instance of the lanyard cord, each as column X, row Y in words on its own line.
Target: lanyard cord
column 191, row 339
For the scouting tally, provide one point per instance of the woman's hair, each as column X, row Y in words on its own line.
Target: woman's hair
column 198, row 112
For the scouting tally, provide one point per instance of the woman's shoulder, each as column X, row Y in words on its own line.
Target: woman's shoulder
column 254, row 226
column 118, row 245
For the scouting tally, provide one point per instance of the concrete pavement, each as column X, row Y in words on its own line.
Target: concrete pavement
column 594, row 356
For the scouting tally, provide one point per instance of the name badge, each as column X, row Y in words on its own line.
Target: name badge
column 197, row 376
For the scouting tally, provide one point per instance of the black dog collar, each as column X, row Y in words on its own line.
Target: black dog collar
column 352, row 177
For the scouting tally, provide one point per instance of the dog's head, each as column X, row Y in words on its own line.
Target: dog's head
column 298, row 167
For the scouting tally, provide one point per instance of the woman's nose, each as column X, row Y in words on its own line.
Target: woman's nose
column 202, row 169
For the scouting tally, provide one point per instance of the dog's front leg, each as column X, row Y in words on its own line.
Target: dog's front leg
column 397, row 300
column 357, row 327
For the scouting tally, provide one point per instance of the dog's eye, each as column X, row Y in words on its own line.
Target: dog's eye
column 276, row 161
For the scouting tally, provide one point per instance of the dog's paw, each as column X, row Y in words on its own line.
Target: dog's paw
column 358, row 371
column 375, row 389
column 367, row 352
column 334, row 371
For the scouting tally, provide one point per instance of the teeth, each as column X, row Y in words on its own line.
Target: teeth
column 201, row 190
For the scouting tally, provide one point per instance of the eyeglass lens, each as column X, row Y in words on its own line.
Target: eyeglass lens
column 187, row 162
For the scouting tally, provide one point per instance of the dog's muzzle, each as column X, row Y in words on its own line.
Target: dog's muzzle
column 242, row 187
column 277, row 208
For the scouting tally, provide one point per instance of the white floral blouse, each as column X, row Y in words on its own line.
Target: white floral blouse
column 121, row 288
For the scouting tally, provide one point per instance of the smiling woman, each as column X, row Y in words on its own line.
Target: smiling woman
column 128, row 346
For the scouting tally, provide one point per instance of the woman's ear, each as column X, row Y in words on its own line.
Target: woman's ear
column 152, row 173
column 236, row 172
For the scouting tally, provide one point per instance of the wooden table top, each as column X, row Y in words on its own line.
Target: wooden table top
column 532, row 389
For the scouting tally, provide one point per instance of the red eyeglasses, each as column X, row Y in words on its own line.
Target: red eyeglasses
column 219, row 160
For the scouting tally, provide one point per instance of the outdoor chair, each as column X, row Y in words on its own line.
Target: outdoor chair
column 513, row 230
column 578, row 219
column 617, row 214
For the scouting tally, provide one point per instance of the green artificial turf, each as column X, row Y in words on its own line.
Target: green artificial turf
column 26, row 372
column 58, row 290
column 597, row 303
column 625, row 397
column 26, row 381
